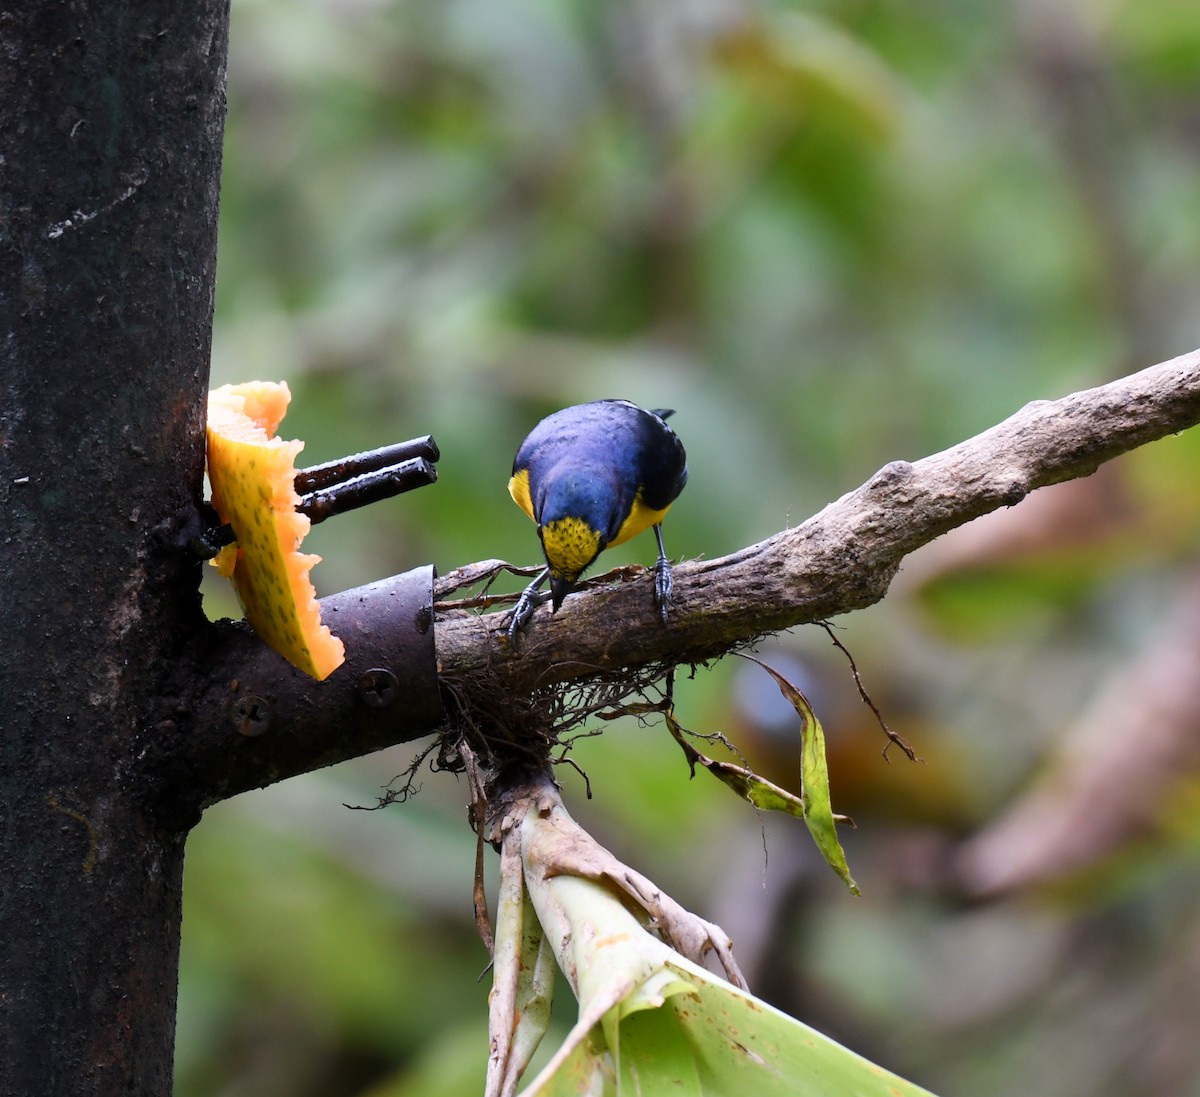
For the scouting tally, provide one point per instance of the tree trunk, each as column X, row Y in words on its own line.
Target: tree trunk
column 109, row 173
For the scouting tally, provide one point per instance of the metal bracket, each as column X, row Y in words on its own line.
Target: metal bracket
column 279, row 722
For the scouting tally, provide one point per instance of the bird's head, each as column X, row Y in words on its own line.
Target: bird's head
column 578, row 517
column 570, row 545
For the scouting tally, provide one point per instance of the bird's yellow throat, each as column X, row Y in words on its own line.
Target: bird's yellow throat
column 570, row 544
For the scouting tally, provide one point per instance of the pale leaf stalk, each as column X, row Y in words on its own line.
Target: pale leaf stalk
column 652, row 1020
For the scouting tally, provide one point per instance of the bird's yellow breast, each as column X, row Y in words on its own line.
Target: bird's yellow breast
column 640, row 517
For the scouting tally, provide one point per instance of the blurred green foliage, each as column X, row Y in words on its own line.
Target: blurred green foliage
column 829, row 235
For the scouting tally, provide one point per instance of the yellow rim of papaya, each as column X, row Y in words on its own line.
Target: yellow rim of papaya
column 252, row 475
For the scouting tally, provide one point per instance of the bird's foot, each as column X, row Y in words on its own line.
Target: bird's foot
column 663, row 585
column 522, row 612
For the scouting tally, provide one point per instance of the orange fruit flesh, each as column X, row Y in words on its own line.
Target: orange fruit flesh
column 251, row 472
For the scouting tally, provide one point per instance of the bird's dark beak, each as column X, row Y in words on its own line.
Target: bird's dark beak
column 559, row 589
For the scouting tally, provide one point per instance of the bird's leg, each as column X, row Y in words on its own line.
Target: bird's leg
column 531, row 597
column 662, row 576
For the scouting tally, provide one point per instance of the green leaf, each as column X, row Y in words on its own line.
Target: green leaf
column 758, row 790
column 718, row 1040
column 652, row 1021
column 814, row 778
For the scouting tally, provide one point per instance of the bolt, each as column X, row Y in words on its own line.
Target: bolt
column 378, row 687
column 251, row 716
column 424, row 619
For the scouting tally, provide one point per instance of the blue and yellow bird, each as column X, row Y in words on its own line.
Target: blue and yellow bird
column 592, row 476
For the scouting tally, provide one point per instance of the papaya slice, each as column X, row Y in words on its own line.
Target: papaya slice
column 251, row 472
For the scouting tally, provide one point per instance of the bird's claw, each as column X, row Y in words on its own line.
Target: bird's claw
column 662, row 576
column 663, row 585
column 522, row 612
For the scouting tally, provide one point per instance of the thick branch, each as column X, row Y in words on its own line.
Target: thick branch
column 254, row 719
column 843, row 558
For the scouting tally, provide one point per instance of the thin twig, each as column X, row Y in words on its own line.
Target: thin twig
column 894, row 738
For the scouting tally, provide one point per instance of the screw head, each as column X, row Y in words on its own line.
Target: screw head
column 251, row 716
column 378, row 687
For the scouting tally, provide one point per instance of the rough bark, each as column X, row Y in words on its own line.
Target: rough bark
column 110, row 147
